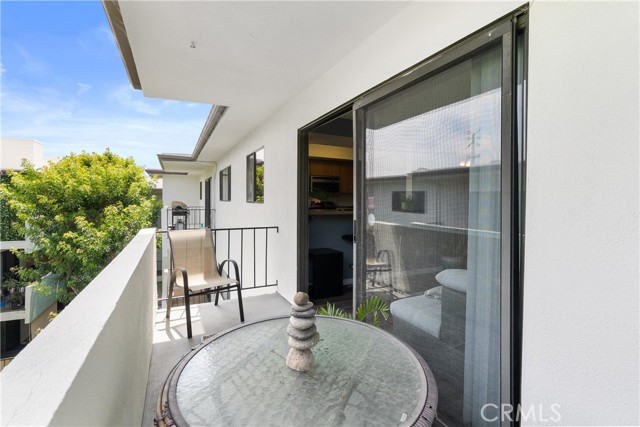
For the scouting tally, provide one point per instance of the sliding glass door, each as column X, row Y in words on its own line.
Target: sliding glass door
column 435, row 166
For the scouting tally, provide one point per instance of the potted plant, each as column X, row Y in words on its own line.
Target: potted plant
column 407, row 203
column 453, row 251
column 373, row 305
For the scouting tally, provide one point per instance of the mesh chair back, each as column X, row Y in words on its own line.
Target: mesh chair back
column 193, row 250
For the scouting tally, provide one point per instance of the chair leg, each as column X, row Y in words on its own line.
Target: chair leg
column 187, row 307
column 169, row 299
column 392, row 279
column 217, row 295
column 240, row 304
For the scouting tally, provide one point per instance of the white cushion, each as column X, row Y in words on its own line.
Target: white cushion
column 435, row 293
column 453, row 278
column 423, row 313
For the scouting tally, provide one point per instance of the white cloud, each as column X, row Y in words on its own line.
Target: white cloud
column 82, row 88
column 129, row 98
column 16, row 103
column 127, row 135
column 2, row 69
column 124, row 121
column 53, row 116
column 96, row 37
column 30, row 65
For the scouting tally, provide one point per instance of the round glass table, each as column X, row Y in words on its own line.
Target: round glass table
column 361, row 376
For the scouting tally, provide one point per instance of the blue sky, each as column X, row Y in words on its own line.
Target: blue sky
column 64, row 84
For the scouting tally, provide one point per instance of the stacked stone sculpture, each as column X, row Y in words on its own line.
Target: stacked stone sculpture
column 303, row 334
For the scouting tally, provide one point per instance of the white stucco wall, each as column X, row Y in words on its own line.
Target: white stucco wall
column 14, row 150
column 97, row 351
column 581, row 268
column 184, row 188
column 415, row 33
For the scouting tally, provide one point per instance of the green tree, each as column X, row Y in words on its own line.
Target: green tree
column 79, row 212
column 7, row 215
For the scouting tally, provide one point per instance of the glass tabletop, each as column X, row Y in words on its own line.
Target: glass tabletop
column 361, row 376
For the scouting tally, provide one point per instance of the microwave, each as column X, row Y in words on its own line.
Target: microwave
column 325, row 184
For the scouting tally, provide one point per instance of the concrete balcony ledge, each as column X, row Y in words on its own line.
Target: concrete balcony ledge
column 103, row 360
column 90, row 366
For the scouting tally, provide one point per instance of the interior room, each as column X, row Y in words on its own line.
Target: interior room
column 330, row 225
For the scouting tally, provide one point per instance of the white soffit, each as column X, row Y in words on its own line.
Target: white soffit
column 249, row 56
column 190, row 167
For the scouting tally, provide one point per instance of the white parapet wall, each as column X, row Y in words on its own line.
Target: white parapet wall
column 90, row 366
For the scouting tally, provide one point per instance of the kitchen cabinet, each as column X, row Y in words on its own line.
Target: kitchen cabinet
column 340, row 168
column 321, row 167
column 346, row 177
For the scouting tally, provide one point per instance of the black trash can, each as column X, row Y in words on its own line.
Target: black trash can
column 326, row 273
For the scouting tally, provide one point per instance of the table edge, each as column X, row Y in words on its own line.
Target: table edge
column 165, row 418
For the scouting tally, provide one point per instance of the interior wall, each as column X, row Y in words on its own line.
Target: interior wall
column 581, row 268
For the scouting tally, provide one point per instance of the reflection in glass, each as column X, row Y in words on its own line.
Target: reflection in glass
column 255, row 176
column 441, row 139
column 225, row 184
column 260, row 175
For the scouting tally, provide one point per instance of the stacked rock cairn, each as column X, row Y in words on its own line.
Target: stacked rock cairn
column 303, row 334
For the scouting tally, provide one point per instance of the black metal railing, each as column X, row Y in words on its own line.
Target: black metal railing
column 189, row 218
column 233, row 242
column 250, row 247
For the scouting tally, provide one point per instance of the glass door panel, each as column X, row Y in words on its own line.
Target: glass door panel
column 431, row 183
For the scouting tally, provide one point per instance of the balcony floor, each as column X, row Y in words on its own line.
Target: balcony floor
column 170, row 341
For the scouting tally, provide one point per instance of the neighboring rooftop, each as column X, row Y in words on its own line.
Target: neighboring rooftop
column 14, row 150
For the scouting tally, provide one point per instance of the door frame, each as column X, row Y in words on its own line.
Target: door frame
column 303, row 191
column 207, row 202
column 501, row 32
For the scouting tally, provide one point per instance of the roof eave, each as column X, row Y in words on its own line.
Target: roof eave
column 215, row 115
column 161, row 172
column 114, row 16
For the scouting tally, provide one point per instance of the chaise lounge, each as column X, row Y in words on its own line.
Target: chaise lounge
column 433, row 323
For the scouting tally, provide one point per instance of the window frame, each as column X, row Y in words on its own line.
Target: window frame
column 226, row 170
column 252, row 177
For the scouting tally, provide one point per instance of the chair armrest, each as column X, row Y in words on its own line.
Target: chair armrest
column 384, row 253
column 185, row 280
column 235, row 267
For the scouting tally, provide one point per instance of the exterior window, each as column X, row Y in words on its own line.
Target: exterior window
column 436, row 176
column 225, row 184
column 255, row 176
column 407, row 201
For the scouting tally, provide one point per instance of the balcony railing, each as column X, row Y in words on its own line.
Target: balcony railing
column 102, row 341
column 250, row 247
column 189, row 218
